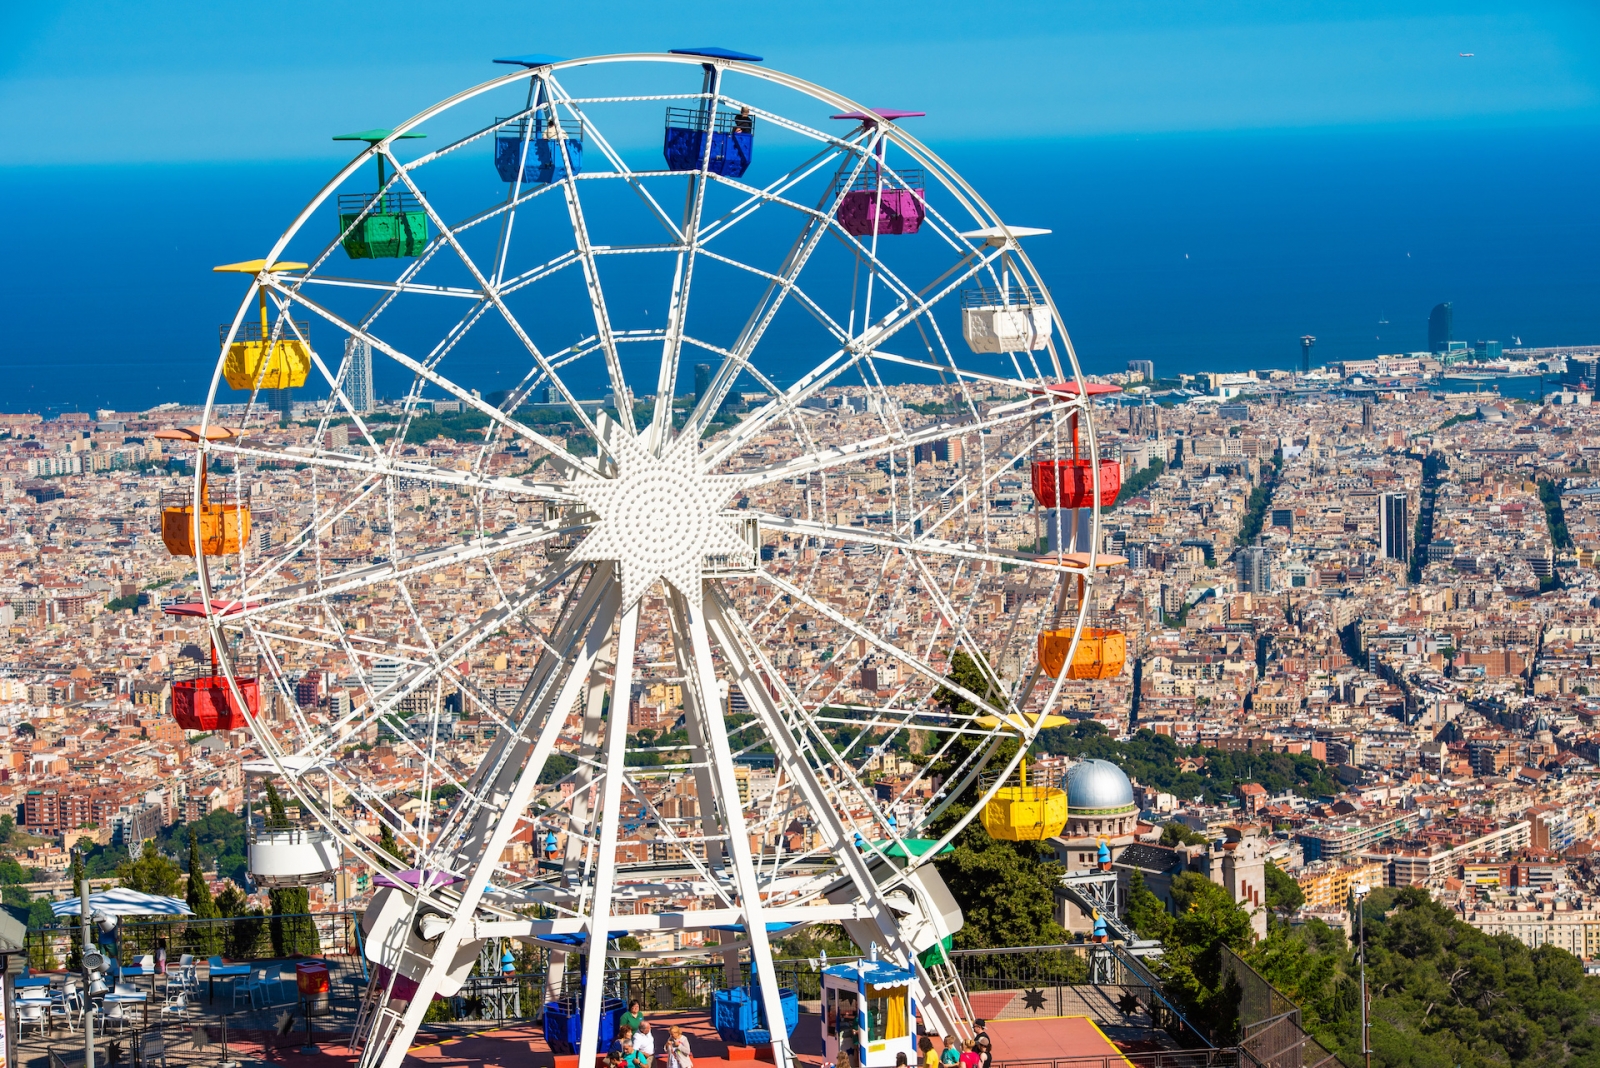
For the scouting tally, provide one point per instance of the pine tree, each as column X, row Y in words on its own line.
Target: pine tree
column 202, row 936
column 390, row 845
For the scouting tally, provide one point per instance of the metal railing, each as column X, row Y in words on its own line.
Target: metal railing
column 238, row 938
column 1268, row 1023
column 1183, row 1058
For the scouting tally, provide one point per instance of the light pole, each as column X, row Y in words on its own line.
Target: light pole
column 1360, row 891
column 86, row 964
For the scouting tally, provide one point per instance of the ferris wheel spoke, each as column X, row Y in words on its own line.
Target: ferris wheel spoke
column 433, row 377
column 618, row 164
column 911, row 661
column 757, row 680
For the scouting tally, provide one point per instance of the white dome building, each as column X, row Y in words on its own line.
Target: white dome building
column 1099, row 801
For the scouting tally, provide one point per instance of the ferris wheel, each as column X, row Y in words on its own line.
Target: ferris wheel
column 757, row 390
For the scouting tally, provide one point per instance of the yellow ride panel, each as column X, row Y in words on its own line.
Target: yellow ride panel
column 286, row 368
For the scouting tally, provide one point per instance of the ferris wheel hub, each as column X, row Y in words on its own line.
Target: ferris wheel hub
column 658, row 517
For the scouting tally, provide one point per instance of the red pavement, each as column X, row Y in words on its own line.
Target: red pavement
column 1051, row 1037
column 524, row 1047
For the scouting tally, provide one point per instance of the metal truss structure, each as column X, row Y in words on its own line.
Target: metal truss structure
column 785, row 582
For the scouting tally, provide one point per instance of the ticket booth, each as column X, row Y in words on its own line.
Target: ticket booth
column 867, row 1012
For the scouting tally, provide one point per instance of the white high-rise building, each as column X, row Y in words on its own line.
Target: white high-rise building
column 358, row 376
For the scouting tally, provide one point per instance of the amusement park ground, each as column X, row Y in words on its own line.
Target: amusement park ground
column 1081, row 1023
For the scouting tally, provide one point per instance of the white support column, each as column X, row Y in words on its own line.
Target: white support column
column 606, row 867
column 839, row 838
column 690, row 623
column 492, row 831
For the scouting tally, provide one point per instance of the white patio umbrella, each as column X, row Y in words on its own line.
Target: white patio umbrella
column 124, row 902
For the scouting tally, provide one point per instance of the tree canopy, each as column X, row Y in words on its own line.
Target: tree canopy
column 1153, row 760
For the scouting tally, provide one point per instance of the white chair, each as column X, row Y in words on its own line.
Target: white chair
column 177, row 1005
column 153, row 1049
column 243, row 990
column 114, row 1019
column 33, row 1012
column 66, row 1005
column 147, row 963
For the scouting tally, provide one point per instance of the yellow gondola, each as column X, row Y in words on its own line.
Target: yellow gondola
column 1025, row 813
column 254, row 360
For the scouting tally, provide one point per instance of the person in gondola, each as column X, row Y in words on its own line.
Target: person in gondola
column 742, row 122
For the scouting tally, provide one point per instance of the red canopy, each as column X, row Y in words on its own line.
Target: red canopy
column 1094, row 389
column 218, row 608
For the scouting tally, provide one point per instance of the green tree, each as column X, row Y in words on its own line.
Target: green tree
column 41, row 948
column 8, row 828
column 16, row 896
column 293, row 930
column 1007, row 895
column 202, row 936
column 1206, row 920
column 277, row 815
column 1174, row 833
column 1282, row 891
column 390, row 845
column 151, row 872
column 12, row 873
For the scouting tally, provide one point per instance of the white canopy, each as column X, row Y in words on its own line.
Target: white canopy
column 124, row 902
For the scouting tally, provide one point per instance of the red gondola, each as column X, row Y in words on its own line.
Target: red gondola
column 205, row 702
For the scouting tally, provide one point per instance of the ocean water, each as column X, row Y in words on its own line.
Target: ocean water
column 1211, row 252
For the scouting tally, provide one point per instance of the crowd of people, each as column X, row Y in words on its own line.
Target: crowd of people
column 635, row 1047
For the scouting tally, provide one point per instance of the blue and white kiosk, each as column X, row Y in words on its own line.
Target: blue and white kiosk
column 867, row 1012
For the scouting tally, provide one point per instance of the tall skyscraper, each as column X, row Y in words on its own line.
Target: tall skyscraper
column 702, row 380
column 1441, row 321
column 1394, row 533
column 1144, row 367
column 1305, row 353
column 1255, row 570
column 280, row 401
column 358, row 376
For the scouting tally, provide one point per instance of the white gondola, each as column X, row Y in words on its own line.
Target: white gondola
column 295, row 856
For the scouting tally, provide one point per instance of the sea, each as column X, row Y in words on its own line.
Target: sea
column 1201, row 252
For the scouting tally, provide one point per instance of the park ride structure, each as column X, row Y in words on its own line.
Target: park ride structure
column 730, row 653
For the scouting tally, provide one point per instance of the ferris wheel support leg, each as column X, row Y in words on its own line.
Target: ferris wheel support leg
column 492, row 830
column 752, row 679
column 589, row 1052
column 689, row 622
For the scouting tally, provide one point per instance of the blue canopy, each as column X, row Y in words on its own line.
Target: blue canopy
column 875, row 972
column 773, row 927
column 714, row 52
column 532, row 59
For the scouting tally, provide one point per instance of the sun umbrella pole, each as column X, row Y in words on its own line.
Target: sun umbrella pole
column 83, row 957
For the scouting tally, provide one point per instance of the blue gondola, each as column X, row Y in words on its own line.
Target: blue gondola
column 546, row 161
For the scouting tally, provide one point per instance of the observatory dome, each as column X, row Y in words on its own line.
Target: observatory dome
column 1098, row 787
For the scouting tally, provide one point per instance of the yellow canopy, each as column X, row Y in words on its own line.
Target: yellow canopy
column 257, row 266
column 1023, row 721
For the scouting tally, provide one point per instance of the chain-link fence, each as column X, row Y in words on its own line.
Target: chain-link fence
column 1268, row 1023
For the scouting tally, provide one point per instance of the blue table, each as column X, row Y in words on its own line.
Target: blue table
column 218, row 970
column 24, row 982
column 121, row 998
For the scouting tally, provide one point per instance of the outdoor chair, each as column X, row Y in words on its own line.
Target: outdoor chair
column 66, row 1005
column 33, row 1012
column 243, row 990
column 266, row 988
column 177, row 1005
column 153, row 1049
column 113, row 1018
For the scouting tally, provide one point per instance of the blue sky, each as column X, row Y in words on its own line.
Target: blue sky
column 167, row 81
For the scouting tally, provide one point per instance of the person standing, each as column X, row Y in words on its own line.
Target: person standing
column 633, row 1017
column 678, row 1055
column 951, row 1056
column 983, row 1043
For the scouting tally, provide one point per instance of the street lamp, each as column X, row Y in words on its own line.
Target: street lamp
column 1360, row 891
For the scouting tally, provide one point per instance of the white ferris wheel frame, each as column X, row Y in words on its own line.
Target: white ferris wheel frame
column 596, row 628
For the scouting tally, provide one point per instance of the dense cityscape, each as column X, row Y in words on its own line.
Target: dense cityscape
column 1363, row 565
